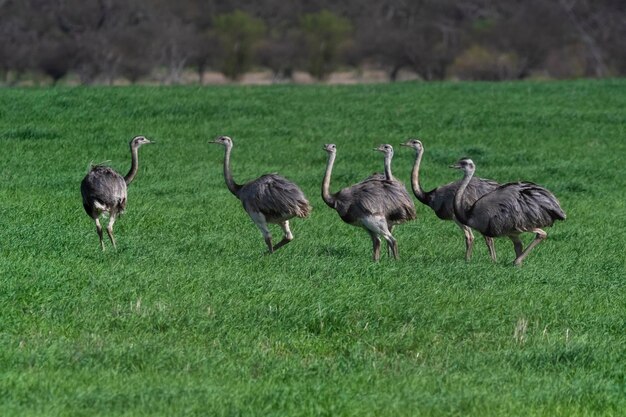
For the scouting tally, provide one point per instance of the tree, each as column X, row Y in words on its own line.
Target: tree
column 324, row 34
column 599, row 26
column 422, row 35
column 204, row 52
column 14, row 53
column 529, row 29
column 174, row 47
column 55, row 59
column 280, row 52
column 238, row 33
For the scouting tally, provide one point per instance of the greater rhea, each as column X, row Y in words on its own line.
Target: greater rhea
column 267, row 199
column 441, row 199
column 509, row 210
column 105, row 191
column 405, row 199
column 375, row 204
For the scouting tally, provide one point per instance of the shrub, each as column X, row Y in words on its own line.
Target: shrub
column 479, row 63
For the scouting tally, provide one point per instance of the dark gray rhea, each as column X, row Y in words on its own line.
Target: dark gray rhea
column 402, row 198
column 267, row 199
column 509, row 210
column 105, row 191
column 441, row 199
column 375, row 204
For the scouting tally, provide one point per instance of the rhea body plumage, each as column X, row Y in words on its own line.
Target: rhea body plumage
column 441, row 199
column 105, row 191
column 375, row 204
column 270, row 198
column 509, row 210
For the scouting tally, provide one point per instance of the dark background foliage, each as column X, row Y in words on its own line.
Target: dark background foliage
column 104, row 40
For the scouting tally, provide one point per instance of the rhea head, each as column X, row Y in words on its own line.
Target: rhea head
column 137, row 141
column 413, row 143
column 385, row 148
column 464, row 164
column 223, row 140
column 330, row 148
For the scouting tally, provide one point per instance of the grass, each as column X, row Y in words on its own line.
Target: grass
column 190, row 317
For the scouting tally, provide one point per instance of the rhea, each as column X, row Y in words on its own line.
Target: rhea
column 267, row 199
column 105, row 191
column 441, row 199
column 509, row 210
column 375, row 204
column 387, row 151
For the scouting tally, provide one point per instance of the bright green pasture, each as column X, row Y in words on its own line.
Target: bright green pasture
column 191, row 317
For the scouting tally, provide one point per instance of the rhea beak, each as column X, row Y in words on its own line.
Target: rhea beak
column 404, row 144
column 455, row 166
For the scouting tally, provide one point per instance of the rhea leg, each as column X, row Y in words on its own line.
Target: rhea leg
column 393, row 244
column 378, row 226
column 540, row 236
column 492, row 249
column 287, row 235
column 110, row 230
column 469, row 241
column 259, row 220
column 389, row 248
column 391, row 241
column 99, row 230
column 375, row 245
column 517, row 244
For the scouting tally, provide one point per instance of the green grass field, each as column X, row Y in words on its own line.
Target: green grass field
column 190, row 316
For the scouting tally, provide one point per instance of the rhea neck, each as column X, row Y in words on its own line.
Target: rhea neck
column 134, row 164
column 459, row 211
column 328, row 198
column 415, row 179
column 388, row 157
column 228, row 174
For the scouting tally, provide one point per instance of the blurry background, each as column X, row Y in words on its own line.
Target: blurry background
column 214, row 41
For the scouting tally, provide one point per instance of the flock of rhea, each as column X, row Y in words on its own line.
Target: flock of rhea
column 376, row 204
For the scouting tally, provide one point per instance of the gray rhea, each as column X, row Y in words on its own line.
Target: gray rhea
column 267, row 199
column 509, row 210
column 105, row 191
column 375, row 204
column 441, row 199
column 402, row 198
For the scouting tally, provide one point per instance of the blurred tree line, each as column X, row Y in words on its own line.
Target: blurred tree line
column 104, row 40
